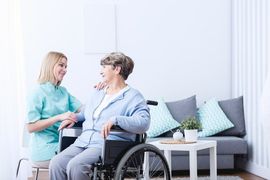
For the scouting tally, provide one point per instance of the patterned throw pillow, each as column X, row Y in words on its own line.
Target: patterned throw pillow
column 213, row 119
column 161, row 120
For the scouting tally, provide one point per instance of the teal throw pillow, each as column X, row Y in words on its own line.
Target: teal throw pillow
column 213, row 119
column 161, row 120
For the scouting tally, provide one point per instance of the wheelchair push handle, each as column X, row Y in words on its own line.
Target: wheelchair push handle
column 152, row 103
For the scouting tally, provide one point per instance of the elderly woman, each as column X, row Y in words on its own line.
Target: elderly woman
column 118, row 104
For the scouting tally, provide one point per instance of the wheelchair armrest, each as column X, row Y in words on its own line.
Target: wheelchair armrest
column 71, row 132
column 74, row 131
column 78, row 124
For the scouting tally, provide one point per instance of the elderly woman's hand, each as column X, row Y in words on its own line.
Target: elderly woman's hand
column 66, row 124
column 100, row 85
column 105, row 130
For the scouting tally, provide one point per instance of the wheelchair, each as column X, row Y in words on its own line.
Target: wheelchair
column 123, row 159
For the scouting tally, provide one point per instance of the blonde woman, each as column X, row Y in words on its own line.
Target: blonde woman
column 48, row 105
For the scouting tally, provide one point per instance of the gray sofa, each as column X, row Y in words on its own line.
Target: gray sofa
column 230, row 143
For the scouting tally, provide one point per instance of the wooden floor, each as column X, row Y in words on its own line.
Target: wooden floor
column 243, row 174
column 43, row 175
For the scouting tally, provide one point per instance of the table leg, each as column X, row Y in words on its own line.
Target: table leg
column 146, row 165
column 213, row 163
column 167, row 154
column 193, row 165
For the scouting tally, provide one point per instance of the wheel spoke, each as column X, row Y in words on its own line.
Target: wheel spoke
column 130, row 166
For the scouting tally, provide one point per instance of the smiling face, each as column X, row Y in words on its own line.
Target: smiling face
column 108, row 73
column 60, row 69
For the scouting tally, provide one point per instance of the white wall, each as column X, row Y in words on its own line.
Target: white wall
column 180, row 48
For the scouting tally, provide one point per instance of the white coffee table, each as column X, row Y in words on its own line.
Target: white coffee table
column 192, row 149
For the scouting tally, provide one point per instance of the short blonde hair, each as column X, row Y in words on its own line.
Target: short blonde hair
column 121, row 60
column 46, row 72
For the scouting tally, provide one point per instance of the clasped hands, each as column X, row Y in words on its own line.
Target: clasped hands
column 68, row 120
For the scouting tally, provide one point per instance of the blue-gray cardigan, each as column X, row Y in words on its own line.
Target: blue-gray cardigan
column 129, row 110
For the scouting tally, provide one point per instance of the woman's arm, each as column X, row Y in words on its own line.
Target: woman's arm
column 138, row 122
column 79, row 110
column 40, row 125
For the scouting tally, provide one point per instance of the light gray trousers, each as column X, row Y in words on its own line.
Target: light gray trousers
column 74, row 163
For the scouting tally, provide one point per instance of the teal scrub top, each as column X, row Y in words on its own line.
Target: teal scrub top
column 46, row 101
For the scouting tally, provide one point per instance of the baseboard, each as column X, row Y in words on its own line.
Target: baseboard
column 255, row 169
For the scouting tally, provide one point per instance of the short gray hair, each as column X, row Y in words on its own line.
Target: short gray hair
column 119, row 59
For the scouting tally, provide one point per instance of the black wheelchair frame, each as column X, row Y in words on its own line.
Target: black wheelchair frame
column 123, row 159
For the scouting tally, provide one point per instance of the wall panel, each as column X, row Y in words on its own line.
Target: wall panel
column 249, row 64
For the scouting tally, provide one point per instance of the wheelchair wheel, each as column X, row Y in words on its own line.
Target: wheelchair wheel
column 135, row 165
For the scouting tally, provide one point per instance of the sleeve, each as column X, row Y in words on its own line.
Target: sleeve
column 80, row 115
column 139, row 120
column 34, row 106
column 74, row 104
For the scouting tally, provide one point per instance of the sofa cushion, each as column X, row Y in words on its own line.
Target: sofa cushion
column 183, row 108
column 213, row 119
column 161, row 120
column 234, row 110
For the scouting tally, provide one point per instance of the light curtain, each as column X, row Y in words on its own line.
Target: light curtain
column 264, row 114
column 12, row 93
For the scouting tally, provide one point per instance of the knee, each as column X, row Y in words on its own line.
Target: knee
column 74, row 168
column 55, row 163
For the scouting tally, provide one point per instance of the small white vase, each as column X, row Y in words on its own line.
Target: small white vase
column 177, row 135
column 191, row 135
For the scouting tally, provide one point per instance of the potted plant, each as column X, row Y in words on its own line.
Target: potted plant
column 190, row 125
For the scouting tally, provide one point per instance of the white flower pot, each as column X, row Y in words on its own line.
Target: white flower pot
column 191, row 135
